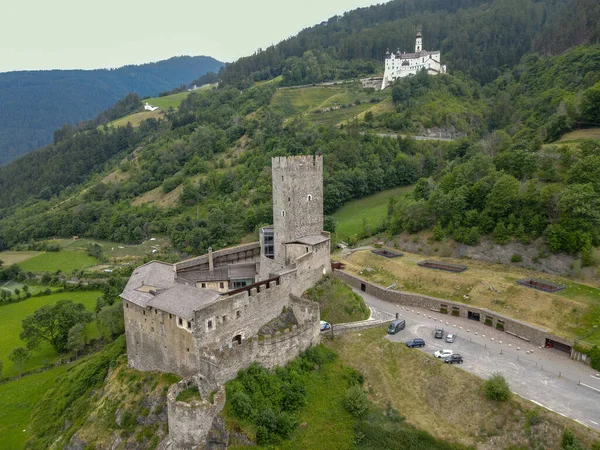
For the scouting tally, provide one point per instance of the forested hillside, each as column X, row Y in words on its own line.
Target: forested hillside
column 35, row 103
column 200, row 174
column 478, row 37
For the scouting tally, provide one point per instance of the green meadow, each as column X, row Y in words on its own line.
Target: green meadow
column 17, row 400
column 11, row 316
column 53, row 261
column 370, row 211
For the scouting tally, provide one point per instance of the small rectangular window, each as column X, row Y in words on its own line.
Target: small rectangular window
column 126, row 305
column 224, row 319
column 210, row 324
column 203, row 285
column 189, row 325
column 221, row 285
column 180, row 321
column 170, row 316
column 238, row 314
column 155, row 311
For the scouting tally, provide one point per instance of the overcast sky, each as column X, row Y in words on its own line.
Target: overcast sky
column 76, row 34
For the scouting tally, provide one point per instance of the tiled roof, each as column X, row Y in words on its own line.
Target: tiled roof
column 154, row 275
column 183, row 300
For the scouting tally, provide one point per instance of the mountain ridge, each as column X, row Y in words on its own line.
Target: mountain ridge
column 35, row 103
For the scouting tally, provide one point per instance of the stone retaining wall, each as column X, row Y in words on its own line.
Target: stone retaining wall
column 497, row 321
column 350, row 327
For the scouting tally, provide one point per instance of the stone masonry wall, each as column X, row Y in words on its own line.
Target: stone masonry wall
column 221, row 365
column 515, row 327
column 297, row 199
column 190, row 422
column 240, row 314
column 156, row 342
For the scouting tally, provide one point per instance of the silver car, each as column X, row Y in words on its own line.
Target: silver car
column 450, row 337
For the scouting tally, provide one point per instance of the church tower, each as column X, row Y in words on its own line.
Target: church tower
column 419, row 40
column 297, row 200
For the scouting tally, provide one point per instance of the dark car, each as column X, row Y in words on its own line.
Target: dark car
column 439, row 333
column 417, row 342
column 396, row 326
column 454, row 359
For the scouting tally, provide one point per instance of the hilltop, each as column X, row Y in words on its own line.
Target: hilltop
column 35, row 103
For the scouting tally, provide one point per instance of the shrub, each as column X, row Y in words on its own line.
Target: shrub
column 444, row 310
column 496, row 388
column 488, row 322
column 356, row 401
column 516, row 258
column 500, row 326
column 455, row 313
column 242, row 405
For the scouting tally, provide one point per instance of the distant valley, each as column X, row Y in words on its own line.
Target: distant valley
column 35, row 103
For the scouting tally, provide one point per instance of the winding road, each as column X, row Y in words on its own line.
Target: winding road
column 547, row 377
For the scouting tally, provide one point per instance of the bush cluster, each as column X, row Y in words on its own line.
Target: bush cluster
column 269, row 400
column 496, row 388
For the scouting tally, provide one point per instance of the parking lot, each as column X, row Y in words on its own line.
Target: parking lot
column 544, row 376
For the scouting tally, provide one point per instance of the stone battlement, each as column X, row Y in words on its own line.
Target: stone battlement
column 303, row 162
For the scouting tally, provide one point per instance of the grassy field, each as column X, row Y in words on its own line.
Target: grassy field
column 337, row 301
column 10, row 257
column 33, row 289
column 339, row 116
column 371, row 211
column 306, row 100
column 116, row 251
column 174, row 100
column 571, row 313
column 17, row 399
column 587, row 133
column 445, row 400
column 137, row 118
column 53, row 261
column 11, row 316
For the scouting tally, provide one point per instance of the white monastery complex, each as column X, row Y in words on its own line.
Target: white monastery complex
column 398, row 65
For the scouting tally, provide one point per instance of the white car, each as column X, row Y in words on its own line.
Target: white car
column 443, row 353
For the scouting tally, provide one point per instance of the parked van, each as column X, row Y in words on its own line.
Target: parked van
column 396, row 325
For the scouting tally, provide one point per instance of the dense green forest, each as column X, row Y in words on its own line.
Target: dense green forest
column 478, row 37
column 211, row 155
column 35, row 103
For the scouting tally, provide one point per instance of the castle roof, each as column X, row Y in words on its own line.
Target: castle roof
column 311, row 239
column 188, row 263
column 183, row 300
column 153, row 276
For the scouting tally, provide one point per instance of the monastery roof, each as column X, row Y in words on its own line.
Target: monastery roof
column 153, row 276
column 415, row 55
column 311, row 239
column 183, row 300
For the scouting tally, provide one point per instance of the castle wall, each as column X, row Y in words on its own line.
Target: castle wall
column 239, row 314
column 190, row 422
column 310, row 267
column 297, row 199
column 156, row 342
column 221, row 365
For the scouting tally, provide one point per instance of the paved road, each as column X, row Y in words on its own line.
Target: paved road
column 545, row 376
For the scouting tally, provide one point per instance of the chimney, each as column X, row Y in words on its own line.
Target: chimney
column 211, row 265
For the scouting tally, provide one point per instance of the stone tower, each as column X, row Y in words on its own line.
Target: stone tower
column 297, row 199
column 419, row 40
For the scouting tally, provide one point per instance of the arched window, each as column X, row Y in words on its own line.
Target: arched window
column 309, row 198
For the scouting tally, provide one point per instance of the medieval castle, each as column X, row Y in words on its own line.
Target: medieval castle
column 208, row 317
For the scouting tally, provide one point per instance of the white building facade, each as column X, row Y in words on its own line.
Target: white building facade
column 398, row 65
